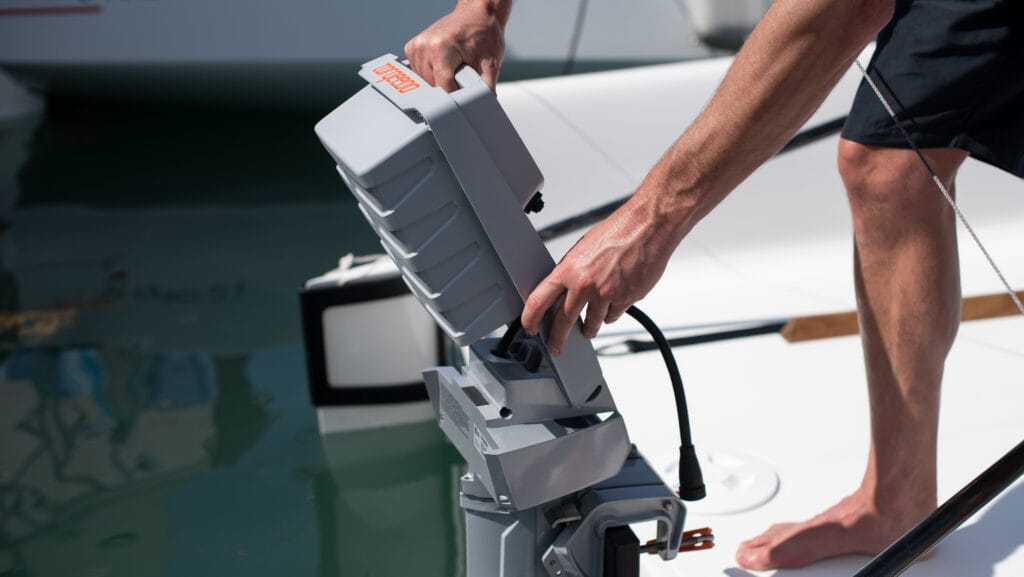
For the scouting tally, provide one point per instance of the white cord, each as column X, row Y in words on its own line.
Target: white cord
column 942, row 188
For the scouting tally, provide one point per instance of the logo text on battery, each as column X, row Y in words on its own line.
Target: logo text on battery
column 396, row 78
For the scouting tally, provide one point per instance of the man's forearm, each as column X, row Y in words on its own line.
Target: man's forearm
column 792, row 60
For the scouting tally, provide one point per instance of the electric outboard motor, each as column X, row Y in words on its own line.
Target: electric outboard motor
column 445, row 180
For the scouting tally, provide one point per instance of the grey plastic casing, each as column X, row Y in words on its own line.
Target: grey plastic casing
column 443, row 178
column 446, row 243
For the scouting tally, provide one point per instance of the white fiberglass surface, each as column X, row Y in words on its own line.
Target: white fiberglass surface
column 802, row 407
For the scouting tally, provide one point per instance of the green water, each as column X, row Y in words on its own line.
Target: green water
column 154, row 413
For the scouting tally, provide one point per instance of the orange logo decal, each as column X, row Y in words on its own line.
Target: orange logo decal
column 397, row 79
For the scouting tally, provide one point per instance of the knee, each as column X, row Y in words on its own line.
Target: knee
column 872, row 177
column 882, row 182
column 894, row 179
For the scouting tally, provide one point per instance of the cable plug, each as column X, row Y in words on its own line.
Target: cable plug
column 691, row 481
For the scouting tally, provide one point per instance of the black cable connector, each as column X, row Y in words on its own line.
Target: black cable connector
column 691, row 481
column 505, row 343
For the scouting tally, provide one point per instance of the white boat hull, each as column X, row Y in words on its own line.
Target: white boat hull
column 300, row 52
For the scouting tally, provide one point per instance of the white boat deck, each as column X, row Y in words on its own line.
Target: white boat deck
column 802, row 408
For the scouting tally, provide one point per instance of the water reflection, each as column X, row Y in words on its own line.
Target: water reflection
column 154, row 417
column 388, row 503
column 96, row 439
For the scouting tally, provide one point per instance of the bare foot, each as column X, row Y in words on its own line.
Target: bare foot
column 854, row 525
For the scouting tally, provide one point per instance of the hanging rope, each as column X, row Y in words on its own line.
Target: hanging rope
column 942, row 188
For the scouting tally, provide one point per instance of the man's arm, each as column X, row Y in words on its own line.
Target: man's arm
column 473, row 33
column 792, row 60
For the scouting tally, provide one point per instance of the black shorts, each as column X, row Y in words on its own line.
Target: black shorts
column 953, row 70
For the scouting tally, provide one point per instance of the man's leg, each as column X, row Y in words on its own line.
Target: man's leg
column 908, row 302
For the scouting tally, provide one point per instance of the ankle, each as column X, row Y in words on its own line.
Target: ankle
column 898, row 499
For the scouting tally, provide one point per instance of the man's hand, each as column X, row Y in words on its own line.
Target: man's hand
column 473, row 34
column 614, row 265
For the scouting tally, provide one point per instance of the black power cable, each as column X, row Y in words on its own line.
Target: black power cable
column 691, row 481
